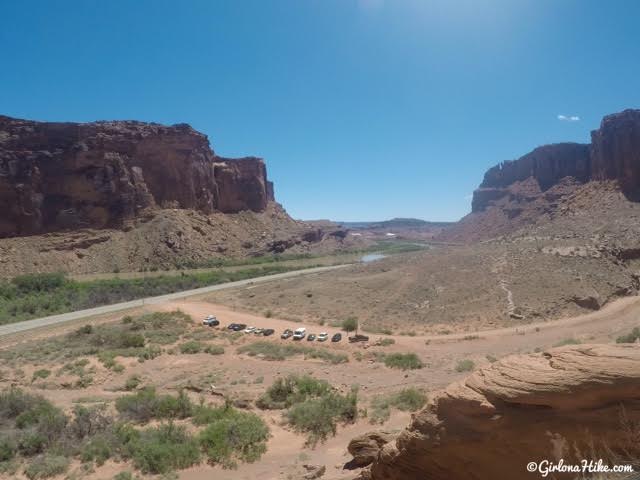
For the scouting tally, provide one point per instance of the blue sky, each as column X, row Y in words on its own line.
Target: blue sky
column 363, row 109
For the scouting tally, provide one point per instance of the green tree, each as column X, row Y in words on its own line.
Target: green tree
column 350, row 325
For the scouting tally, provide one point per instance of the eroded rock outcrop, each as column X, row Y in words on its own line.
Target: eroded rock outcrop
column 546, row 165
column 615, row 149
column 529, row 190
column 571, row 403
column 59, row 176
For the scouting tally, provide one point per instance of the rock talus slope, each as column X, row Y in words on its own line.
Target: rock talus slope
column 570, row 403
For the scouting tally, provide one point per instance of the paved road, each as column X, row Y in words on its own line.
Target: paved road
column 67, row 317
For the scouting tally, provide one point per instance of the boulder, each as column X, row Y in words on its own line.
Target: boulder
column 365, row 448
column 579, row 402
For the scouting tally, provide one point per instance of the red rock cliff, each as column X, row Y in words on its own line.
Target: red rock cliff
column 614, row 154
column 56, row 176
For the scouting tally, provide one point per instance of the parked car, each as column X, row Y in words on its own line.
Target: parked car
column 311, row 337
column 211, row 321
column 358, row 338
column 299, row 333
column 337, row 337
column 249, row 329
column 238, row 327
column 232, row 326
column 268, row 331
column 286, row 334
column 322, row 337
column 258, row 331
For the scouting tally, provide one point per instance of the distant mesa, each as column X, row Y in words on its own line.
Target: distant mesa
column 401, row 223
column 65, row 176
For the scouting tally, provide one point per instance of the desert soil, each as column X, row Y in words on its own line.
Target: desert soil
column 248, row 377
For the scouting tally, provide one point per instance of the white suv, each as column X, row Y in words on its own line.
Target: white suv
column 299, row 333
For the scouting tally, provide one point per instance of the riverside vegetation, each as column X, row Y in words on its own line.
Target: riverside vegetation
column 38, row 295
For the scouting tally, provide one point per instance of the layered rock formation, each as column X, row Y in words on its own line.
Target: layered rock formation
column 570, row 403
column 522, row 192
column 545, row 165
column 614, row 154
column 59, row 176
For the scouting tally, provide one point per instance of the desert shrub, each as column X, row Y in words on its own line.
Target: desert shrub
column 41, row 373
column 214, row 349
column 465, row 366
column 31, row 443
column 45, row 466
column 234, row 436
column 124, row 476
column 318, row 417
column 191, row 347
column 8, row 449
column 85, row 330
column 89, row 421
column 287, row 391
column 403, row 361
column 99, row 449
column 39, row 282
column 313, row 407
column 630, row 337
column 161, row 449
column 567, row 341
column 149, row 353
column 14, row 401
column 133, row 382
column 41, row 422
column 385, row 342
column 409, row 400
column 491, row 358
column 146, row 405
column 10, row 467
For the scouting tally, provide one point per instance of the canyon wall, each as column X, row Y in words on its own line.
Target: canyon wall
column 614, row 154
column 61, row 176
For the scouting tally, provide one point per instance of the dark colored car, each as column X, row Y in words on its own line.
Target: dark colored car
column 337, row 337
column 268, row 331
column 237, row 327
column 232, row 326
column 286, row 334
column 311, row 337
column 358, row 338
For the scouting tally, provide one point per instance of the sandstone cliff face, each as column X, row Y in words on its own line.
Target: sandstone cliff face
column 614, row 154
column 615, row 149
column 546, row 165
column 526, row 191
column 58, row 176
column 574, row 403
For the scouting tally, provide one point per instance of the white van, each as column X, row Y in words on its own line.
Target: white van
column 299, row 333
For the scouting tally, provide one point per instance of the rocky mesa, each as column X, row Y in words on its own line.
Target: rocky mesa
column 521, row 192
column 568, row 403
column 65, row 176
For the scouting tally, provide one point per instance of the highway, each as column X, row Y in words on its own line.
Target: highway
column 17, row 327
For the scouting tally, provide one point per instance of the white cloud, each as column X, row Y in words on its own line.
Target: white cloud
column 568, row 118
